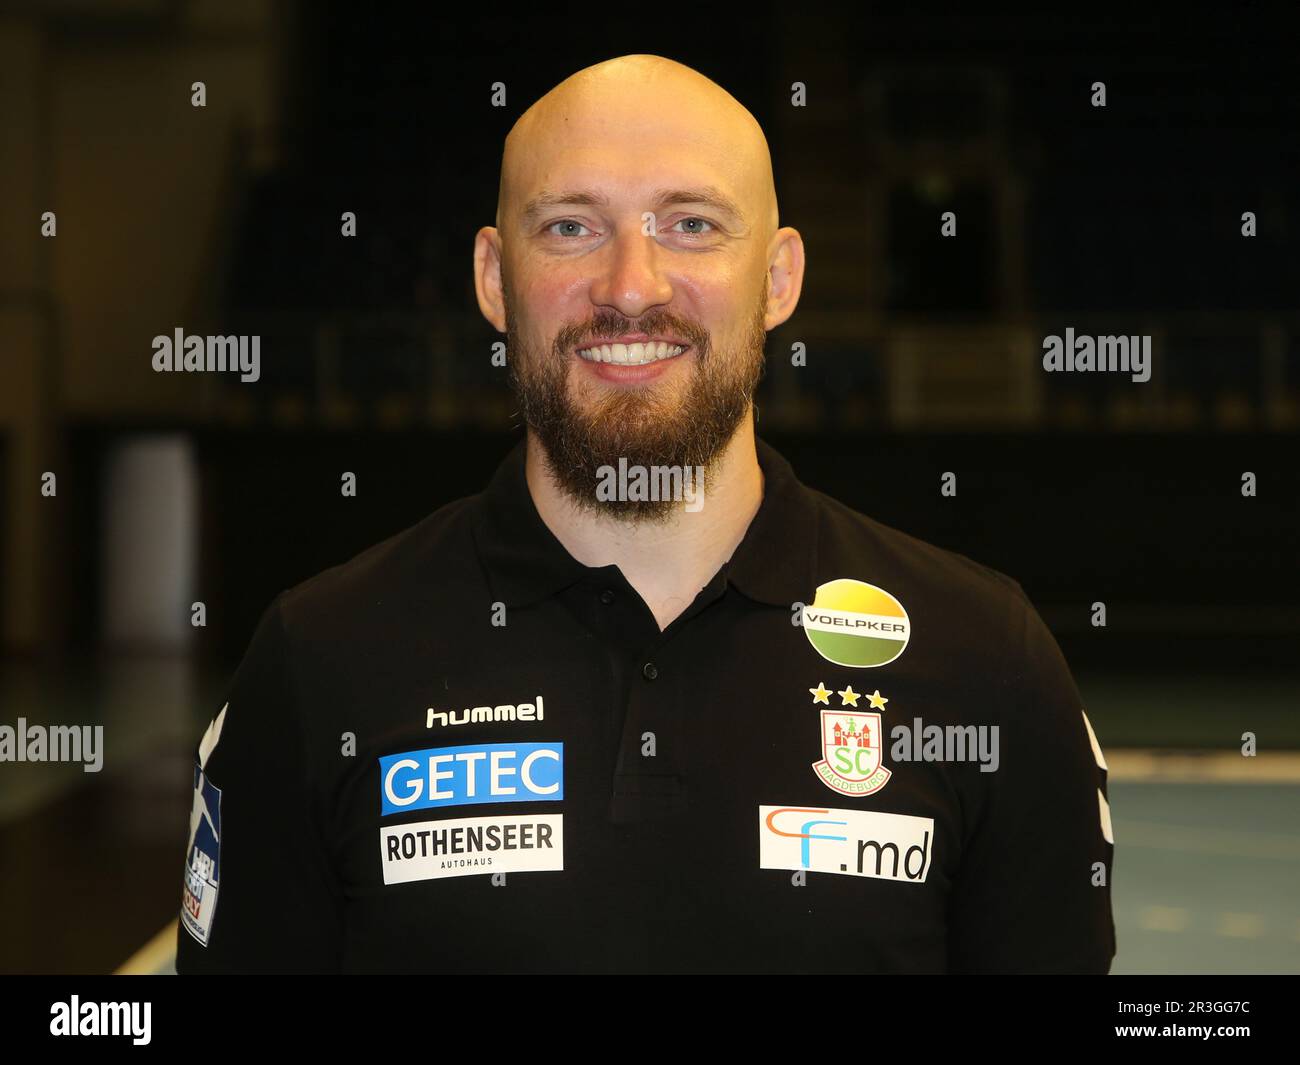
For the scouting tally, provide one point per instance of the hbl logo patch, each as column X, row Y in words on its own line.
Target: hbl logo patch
column 203, row 858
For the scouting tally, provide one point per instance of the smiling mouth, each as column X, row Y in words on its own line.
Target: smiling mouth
column 641, row 354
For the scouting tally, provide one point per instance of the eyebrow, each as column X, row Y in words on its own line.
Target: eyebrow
column 708, row 195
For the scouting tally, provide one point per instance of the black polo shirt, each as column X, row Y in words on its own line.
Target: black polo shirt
column 465, row 751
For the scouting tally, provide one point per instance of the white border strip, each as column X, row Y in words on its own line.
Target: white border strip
column 1205, row 767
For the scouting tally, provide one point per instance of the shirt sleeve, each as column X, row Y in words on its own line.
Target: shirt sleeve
column 1033, row 894
column 259, row 893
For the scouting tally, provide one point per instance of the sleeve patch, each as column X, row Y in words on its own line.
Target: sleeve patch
column 203, row 855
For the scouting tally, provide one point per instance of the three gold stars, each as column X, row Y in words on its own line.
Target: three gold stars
column 848, row 697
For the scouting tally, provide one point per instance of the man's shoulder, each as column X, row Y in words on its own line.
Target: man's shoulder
column 964, row 618
column 395, row 574
column 929, row 575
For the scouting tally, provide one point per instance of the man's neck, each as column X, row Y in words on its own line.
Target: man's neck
column 666, row 563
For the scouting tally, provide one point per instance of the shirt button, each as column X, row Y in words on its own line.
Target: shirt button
column 607, row 597
column 649, row 671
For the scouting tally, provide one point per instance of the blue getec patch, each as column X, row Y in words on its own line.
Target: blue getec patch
column 472, row 773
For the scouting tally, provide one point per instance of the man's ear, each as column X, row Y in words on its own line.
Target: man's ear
column 487, row 277
column 785, row 276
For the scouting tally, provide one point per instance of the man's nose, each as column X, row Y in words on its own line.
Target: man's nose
column 631, row 279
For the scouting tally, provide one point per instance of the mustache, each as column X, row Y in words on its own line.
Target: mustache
column 602, row 325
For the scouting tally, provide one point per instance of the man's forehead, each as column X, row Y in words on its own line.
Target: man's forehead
column 611, row 186
column 631, row 163
column 633, row 138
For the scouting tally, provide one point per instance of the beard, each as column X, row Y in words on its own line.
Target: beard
column 643, row 426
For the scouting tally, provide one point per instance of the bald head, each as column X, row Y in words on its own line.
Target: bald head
column 608, row 125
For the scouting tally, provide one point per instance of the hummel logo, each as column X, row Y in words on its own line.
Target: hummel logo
column 479, row 714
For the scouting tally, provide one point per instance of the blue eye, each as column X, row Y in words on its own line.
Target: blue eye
column 695, row 233
column 565, row 222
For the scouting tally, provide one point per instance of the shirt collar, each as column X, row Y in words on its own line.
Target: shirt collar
column 775, row 562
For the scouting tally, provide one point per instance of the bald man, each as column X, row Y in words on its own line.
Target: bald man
column 647, row 703
column 596, row 258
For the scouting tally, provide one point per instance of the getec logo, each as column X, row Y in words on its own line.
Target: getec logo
column 473, row 773
column 851, row 842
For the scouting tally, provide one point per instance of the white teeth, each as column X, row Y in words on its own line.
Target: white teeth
column 631, row 354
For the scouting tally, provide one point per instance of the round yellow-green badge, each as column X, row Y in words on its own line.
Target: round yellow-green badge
column 852, row 623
